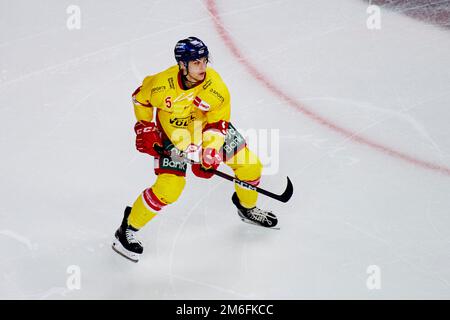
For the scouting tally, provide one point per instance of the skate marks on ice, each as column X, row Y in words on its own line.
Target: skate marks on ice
column 307, row 111
column 334, row 150
column 20, row 238
column 434, row 13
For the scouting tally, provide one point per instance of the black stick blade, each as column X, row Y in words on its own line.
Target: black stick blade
column 287, row 194
column 284, row 197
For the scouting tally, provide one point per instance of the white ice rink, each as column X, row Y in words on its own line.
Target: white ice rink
column 363, row 123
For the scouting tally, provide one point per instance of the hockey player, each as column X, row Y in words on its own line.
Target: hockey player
column 190, row 105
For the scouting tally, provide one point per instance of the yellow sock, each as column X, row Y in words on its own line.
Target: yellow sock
column 140, row 214
column 247, row 167
column 247, row 198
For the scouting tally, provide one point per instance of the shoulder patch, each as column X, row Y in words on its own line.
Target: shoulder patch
column 201, row 104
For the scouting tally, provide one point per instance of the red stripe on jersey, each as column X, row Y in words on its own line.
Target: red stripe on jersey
column 170, row 171
column 136, row 91
column 133, row 96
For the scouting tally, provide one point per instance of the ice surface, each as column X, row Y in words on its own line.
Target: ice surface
column 69, row 165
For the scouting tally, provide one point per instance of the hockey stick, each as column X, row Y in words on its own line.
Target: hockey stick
column 284, row 197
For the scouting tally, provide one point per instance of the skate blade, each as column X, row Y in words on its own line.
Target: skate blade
column 117, row 247
column 258, row 225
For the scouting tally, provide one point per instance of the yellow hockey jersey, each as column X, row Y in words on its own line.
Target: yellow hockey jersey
column 199, row 115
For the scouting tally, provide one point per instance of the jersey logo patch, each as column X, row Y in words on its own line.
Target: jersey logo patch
column 202, row 105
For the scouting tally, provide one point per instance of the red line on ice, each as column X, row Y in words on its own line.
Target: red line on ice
column 225, row 36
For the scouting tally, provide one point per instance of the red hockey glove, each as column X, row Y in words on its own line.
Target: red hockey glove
column 211, row 159
column 147, row 135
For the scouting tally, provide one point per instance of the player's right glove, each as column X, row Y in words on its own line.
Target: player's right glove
column 147, row 136
column 211, row 159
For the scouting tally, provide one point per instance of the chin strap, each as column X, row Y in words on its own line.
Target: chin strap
column 184, row 78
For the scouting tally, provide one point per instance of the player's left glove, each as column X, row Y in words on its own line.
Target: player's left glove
column 211, row 159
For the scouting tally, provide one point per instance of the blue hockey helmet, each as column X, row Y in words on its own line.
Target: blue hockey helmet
column 190, row 49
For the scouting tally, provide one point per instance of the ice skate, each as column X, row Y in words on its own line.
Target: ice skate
column 255, row 215
column 125, row 242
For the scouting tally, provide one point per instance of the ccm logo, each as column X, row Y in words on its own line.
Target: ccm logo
column 145, row 130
